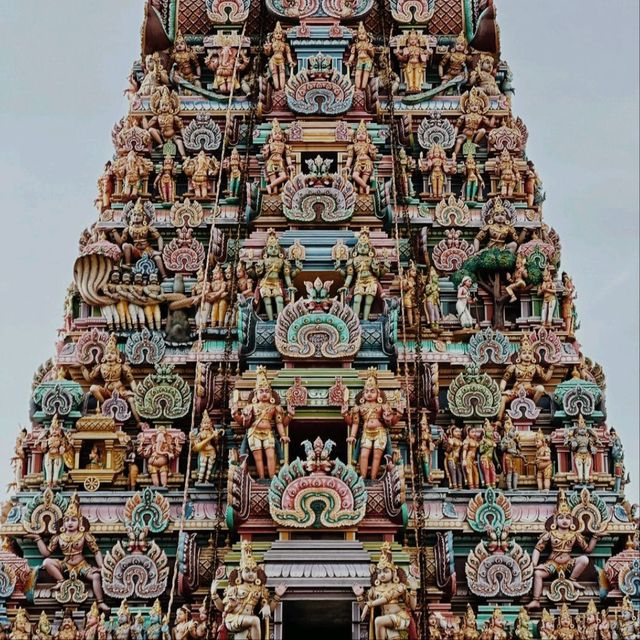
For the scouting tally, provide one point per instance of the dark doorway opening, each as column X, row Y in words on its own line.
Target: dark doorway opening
column 302, row 429
column 316, row 620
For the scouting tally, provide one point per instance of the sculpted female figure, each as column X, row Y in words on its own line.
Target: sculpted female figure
column 245, row 593
column 452, row 443
column 473, row 182
column 470, row 446
column 166, row 125
column 414, row 57
column 375, row 416
column 362, row 52
column 277, row 157
column 454, row 62
column 165, row 182
column 360, row 157
column 432, row 298
column 55, row 444
column 204, row 444
column 185, row 61
column 437, row 166
column 463, row 305
column 567, row 307
column 392, row 593
column 72, row 537
column 279, row 54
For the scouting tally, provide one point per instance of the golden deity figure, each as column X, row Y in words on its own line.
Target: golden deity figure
column 361, row 53
column 487, row 454
column 139, row 236
column 159, row 447
column 496, row 627
column 20, row 627
column 166, row 125
column 452, row 444
column 470, row 446
column 589, row 623
column 566, row 629
column 484, row 75
column 473, row 182
column 408, row 284
column 261, row 417
column 549, row 301
column 508, row 174
column 567, row 306
column 547, row 626
column 185, row 61
column 132, row 172
column 374, row 415
column 92, row 623
column 227, row 63
column 183, row 625
column 414, row 53
column 605, row 629
column 279, row 53
column 361, row 155
column 72, row 536
column 43, row 630
column 219, row 296
column 454, row 62
column 473, row 124
column 432, row 298
column 155, row 75
column 203, row 442
column 629, row 621
column 275, row 273
column 165, row 182
column 202, row 625
column 544, row 462
column 363, row 270
column 68, row 629
column 497, row 230
column 524, row 372
column 518, row 278
column 584, row 442
column 234, row 166
column 112, row 374
column 522, row 628
column 246, row 593
column 562, row 536
column 511, row 453
column 437, row 167
column 469, row 628
column 105, row 187
column 390, row 599
column 278, row 165
column 122, row 630
column 202, row 172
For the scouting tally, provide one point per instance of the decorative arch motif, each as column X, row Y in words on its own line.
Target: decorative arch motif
column 90, row 346
column 43, row 511
column 58, row 397
column 145, row 347
column 577, row 397
column 451, row 252
column 319, row 8
column 202, row 134
column 473, row 394
column 184, row 253
column 452, row 212
column 147, row 508
column 436, row 130
column 186, row 214
column 228, row 11
column 489, row 345
column 327, row 203
column 546, row 345
column 308, row 93
column 163, row 395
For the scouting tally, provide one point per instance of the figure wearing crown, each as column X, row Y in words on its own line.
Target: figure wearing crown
column 584, row 443
column 246, row 592
column 261, row 417
column 562, row 536
column 361, row 53
column 279, row 53
column 361, row 154
column 72, row 537
column 394, row 594
column 203, row 442
column 55, row 445
column 374, row 415
column 454, row 62
column 278, row 164
column 524, row 372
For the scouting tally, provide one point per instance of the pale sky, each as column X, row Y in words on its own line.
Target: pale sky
column 64, row 66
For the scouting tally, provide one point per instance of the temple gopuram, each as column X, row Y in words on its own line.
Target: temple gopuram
column 318, row 376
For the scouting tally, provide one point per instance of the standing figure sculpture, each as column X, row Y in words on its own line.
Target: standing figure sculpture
column 392, row 593
column 363, row 270
column 567, row 306
column 470, row 446
column 278, row 165
column 562, row 536
column 275, row 276
column 472, row 125
column 452, row 443
column 165, row 182
column 375, row 416
column 454, row 62
column 463, row 304
column 227, row 63
column 437, row 166
column 473, row 182
column 548, row 292
column 617, row 455
column 132, row 173
column 261, row 417
column 544, row 462
column 165, row 125
column 185, row 61
column 414, row 54
column 279, row 53
column 202, row 172
column 432, row 298
column 234, row 166
column 72, row 536
column 362, row 52
column 508, row 174
column 584, row 443
column 159, row 447
column 55, row 444
column 246, row 592
column 408, row 284
column 487, row 452
column 203, row 442
column 511, row 453
column 361, row 155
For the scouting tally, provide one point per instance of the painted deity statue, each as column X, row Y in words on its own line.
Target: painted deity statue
column 92, row 623
column 390, row 599
column 547, row 626
column 472, row 125
column 275, row 276
column 511, row 453
column 261, row 417
column 629, row 621
column 427, row 445
column 165, row 182
column 202, row 172
column 454, row 62
column 589, row 623
column 617, row 455
column 469, row 627
column 436, row 166
column 55, row 444
column 156, row 625
column 204, row 444
column 361, row 155
column 363, row 271
column 548, row 292
column 183, row 625
column 234, row 166
column 139, row 236
column 496, row 627
column 132, row 172
column 487, row 454
column 111, row 374
column 432, row 298
column 605, row 629
column 122, row 629
column 470, row 447
column 452, row 443
column 562, row 536
column 280, row 56
column 484, row 76
column 567, row 306
column 373, row 414
column 21, row 627
column 227, row 63
column 522, row 628
column 155, row 75
column 413, row 54
column 72, row 536
column 278, row 165
column 463, row 303
column 159, row 447
column 473, row 182
column 518, row 278
column 584, row 443
column 68, row 629
column 166, row 125
column 362, row 53
column 544, row 462
column 185, row 61
column 247, row 591
column 408, row 282
column 497, row 230
column 43, row 630
column 508, row 174
column 566, row 629
column 524, row 372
